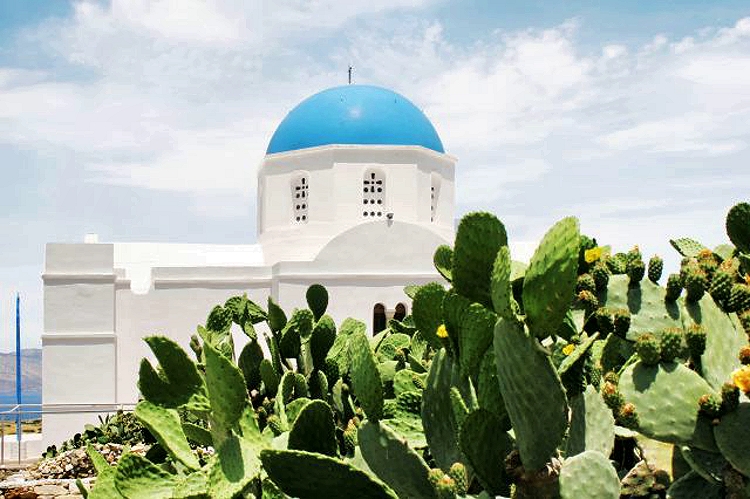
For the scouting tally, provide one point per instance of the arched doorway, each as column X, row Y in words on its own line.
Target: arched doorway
column 378, row 318
column 400, row 312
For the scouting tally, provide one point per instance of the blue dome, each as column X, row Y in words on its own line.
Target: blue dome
column 354, row 114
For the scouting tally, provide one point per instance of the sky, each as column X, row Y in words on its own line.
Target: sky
column 146, row 120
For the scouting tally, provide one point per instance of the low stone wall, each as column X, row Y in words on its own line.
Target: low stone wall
column 42, row 489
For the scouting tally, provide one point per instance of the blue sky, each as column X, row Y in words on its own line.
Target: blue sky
column 146, row 120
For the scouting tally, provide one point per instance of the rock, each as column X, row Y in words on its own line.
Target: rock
column 50, row 490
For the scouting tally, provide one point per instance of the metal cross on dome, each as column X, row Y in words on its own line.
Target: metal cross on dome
column 350, row 74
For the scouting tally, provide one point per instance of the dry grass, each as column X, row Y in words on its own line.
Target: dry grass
column 9, row 428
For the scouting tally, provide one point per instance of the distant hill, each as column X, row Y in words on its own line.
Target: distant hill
column 31, row 371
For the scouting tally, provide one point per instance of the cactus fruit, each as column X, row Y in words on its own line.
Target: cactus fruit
column 612, row 396
column 627, row 416
column 618, row 263
column 710, row 405
column 621, row 322
column 744, row 355
column 671, row 344
column 460, row 478
column 739, row 298
column 674, row 287
column 588, row 301
column 446, row 488
column 585, row 283
column 600, row 272
column 695, row 337
column 695, row 282
column 635, row 269
column 655, row 268
column 605, row 321
column 435, row 475
column 730, row 397
column 708, row 262
column 648, row 349
column 721, row 285
column 350, row 438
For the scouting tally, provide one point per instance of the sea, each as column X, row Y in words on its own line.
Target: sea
column 8, row 400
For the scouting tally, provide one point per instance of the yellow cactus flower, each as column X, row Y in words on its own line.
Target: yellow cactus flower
column 568, row 349
column 747, row 279
column 741, row 378
column 705, row 253
column 593, row 254
column 442, row 332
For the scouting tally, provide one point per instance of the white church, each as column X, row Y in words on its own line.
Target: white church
column 355, row 192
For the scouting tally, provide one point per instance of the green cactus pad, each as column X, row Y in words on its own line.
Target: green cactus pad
column 427, row 310
column 403, row 381
column 365, row 376
column 388, row 455
column 731, row 437
column 443, row 260
column 592, row 426
column 317, row 300
column 164, row 425
column 475, row 325
column 438, row 419
column 486, row 446
column 738, row 226
column 291, row 343
column 276, row 316
column 502, row 294
column 192, row 486
column 589, row 475
column 197, row 434
column 249, row 363
column 709, row 465
column 137, row 478
column 409, row 427
column 226, row 388
column 666, row 401
column 390, row 346
column 694, row 486
column 323, row 477
column 314, row 430
column 489, row 395
column 322, row 339
column 181, row 384
column 533, row 394
column 649, row 313
column 234, row 468
column 687, row 247
column 551, row 278
column 269, row 376
column 478, row 239
column 724, row 338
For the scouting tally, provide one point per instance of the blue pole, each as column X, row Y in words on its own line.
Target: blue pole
column 18, row 365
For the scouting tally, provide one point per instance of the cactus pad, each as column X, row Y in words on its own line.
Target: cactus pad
column 724, row 338
column 694, row 486
column 589, row 475
column 687, row 247
column 365, row 376
column 388, row 455
column 533, row 394
column 322, row 339
column 478, row 239
column 731, row 438
column 486, row 447
column 592, row 426
column 137, row 477
column 317, row 300
column 666, row 401
column 551, row 278
column 235, row 466
column 427, row 310
column 501, row 292
column 313, row 429
column 443, row 260
column 164, row 424
column 323, row 477
column 226, row 388
column 738, row 226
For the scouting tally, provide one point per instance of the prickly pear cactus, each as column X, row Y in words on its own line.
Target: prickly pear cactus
column 550, row 280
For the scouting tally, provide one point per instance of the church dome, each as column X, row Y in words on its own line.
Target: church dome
column 357, row 115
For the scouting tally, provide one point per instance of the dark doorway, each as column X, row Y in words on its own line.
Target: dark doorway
column 400, row 312
column 378, row 318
